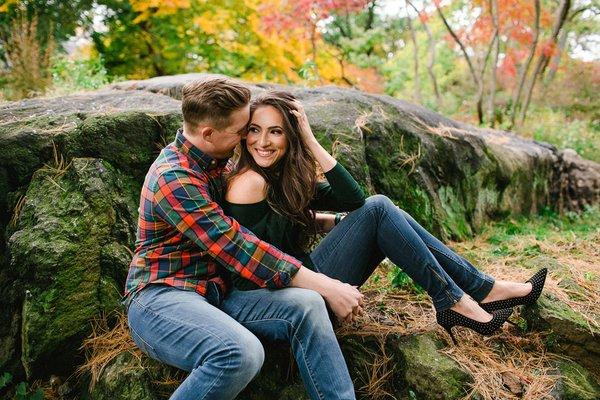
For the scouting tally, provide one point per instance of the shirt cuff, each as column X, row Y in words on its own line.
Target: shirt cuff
column 283, row 278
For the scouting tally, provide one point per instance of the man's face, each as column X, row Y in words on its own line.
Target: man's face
column 225, row 140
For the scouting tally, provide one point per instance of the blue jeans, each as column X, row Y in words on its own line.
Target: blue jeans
column 219, row 348
column 379, row 229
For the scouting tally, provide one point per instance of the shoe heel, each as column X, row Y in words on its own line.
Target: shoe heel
column 449, row 330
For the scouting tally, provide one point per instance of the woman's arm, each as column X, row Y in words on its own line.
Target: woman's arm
column 326, row 222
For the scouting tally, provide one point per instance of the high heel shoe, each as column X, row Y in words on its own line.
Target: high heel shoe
column 450, row 318
column 537, row 284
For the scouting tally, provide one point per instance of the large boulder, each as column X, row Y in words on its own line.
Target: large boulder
column 69, row 255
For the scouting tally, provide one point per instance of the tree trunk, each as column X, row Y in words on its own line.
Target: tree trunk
column 525, row 68
column 413, row 38
column 562, row 44
column 431, row 62
column 474, row 75
column 493, row 4
column 542, row 63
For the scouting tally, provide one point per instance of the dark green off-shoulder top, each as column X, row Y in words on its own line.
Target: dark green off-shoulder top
column 340, row 193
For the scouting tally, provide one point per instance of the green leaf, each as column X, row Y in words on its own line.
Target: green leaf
column 5, row 379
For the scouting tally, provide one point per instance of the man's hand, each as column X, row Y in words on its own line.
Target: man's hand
column 345, row 300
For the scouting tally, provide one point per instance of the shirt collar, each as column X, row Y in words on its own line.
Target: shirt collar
column 204, row 160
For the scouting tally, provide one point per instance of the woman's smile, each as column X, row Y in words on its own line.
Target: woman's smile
column 265, row 153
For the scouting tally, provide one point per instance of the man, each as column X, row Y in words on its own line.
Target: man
column 181, row 309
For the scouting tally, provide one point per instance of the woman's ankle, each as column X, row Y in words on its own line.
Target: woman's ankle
column 469, row 308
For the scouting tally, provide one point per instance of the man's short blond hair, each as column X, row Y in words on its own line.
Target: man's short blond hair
column 212, row 100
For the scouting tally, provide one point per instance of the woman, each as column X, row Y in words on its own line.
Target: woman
column 273, row 191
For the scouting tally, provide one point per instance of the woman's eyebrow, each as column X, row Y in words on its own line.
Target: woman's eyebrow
column 270, row 127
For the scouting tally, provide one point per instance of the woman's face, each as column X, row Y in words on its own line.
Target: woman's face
column 266, row 140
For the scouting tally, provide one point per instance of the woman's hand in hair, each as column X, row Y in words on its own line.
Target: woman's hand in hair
column 324, row 159
column 305, row 130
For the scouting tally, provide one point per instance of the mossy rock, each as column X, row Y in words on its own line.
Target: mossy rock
column 430, row 374
column 452, row 177
column 576, row 383
column 569, row 333
column 132, row 377
column 64, row 256
column 409, row 364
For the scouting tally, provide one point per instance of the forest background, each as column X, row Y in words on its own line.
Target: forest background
column 532, row 66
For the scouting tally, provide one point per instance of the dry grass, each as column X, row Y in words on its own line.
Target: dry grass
column 57, row 167
column 104, row 344
column 376, row 373
column 17, row 211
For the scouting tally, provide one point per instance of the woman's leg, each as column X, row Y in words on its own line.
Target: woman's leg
column 474, row 282
column 359, row 242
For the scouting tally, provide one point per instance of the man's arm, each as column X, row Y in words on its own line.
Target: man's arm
column 182, row 200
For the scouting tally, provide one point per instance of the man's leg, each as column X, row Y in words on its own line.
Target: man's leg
column 298, row 316
column 182, row 329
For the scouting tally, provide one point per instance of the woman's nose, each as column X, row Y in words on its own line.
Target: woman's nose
column 263, row 139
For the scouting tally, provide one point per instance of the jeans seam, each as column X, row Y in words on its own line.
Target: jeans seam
column 478, row 275
column 310, row 371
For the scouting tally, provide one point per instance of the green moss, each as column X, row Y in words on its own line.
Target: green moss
column 577, row 382
column 58, row 253
column 429, row 373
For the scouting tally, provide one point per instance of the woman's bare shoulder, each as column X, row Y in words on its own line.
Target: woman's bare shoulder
column 246, row 188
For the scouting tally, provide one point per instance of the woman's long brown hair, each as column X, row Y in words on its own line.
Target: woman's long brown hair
column 291, row 182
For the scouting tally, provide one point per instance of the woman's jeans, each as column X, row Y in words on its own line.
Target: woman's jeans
column 219, row 348
column 379, row 229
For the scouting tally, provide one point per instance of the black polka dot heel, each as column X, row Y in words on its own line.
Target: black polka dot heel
column 450, row 318
column 537, row 284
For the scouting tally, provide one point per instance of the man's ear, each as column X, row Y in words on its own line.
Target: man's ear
column 206, row 132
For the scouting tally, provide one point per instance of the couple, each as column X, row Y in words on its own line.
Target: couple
column 222, row 253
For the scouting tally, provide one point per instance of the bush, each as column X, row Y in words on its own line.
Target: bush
column 70, row 75
column 29, row 58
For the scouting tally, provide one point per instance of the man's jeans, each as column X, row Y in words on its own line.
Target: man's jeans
column 219, row 347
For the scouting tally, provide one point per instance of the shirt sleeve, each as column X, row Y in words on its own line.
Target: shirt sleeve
column 340, row 193
column 183, row 201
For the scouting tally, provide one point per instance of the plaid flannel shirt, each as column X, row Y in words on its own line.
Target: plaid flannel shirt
column 184, row 239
